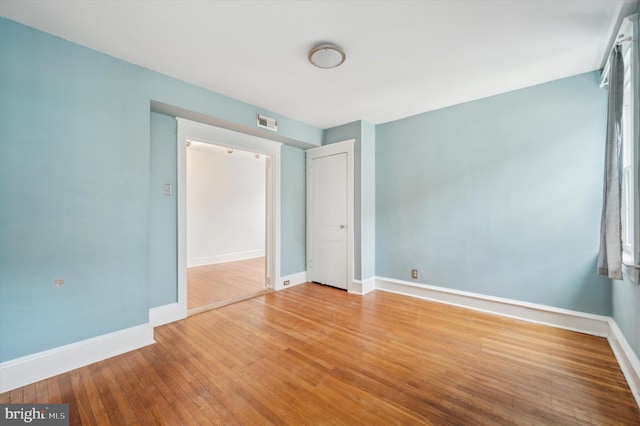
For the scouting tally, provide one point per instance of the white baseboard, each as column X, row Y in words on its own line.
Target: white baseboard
column 596, row 325
column 629, row 363
column 222, row 258
column 294, row 279
column 363, row 287
column 32, row 368
column 166, row 313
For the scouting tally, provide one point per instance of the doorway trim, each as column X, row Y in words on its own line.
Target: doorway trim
column 191, row 130
column 343, row 147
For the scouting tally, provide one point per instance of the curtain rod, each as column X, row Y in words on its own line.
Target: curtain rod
column 619, row 42
column 604, row 79
column 626, row 24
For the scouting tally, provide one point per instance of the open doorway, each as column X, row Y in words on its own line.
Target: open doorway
column 263, row 262
column 226, row 227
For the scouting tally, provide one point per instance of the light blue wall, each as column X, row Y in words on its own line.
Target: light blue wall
column 626, row 311
column 293, row 211
column 367, row 200
column 75, row 176
column 500, row 196
column 163, row 213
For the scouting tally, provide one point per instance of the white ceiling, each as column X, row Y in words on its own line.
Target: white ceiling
column 403, row 57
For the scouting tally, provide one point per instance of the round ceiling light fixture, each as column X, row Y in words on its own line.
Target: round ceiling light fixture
column 326, row 56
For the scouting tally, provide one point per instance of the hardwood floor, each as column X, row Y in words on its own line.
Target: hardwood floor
column 318, row 355
column 212, row 286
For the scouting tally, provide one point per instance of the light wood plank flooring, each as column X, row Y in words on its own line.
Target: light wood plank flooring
column 316, row 355
column 212, row 286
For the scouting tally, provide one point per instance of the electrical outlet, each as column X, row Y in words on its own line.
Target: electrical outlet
column 286, row 282
column 168, row 189
column 414, row 274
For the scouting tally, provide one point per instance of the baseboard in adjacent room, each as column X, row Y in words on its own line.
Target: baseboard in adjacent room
column 32, row 368
column 222, row 258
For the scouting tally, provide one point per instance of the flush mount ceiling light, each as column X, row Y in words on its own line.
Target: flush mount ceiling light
column 326, row 56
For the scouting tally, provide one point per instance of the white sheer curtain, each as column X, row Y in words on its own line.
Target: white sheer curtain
column 610, row 255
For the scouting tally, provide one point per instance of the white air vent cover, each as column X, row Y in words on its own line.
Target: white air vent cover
column 267, row 123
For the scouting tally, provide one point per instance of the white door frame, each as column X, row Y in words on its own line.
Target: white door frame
column 191, row 130
column 344, row 147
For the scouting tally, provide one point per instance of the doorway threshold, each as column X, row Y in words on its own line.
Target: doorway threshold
column 226, row 302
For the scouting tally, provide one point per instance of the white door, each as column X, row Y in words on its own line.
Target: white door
column 328, row 216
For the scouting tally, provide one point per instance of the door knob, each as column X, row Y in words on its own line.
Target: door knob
column 341, row 226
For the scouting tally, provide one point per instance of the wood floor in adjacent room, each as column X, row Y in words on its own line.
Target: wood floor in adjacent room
column 316, row 355
column 211, row 286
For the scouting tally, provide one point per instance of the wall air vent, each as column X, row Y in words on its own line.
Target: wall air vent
column 267, row 123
